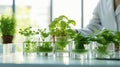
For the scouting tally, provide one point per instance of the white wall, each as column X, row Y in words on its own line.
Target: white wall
column 89, row 6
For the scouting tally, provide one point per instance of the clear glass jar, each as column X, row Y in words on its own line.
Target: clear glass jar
column 29, row 46
column 80, row 52
column 62, row 46
column 105, row 51
column 45, row 48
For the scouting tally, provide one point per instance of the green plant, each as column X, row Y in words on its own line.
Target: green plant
column 29, row 45
column 27, row 32
column 7, row 28
column 45, row 45
column 43, row 33
column 79, row 42
column 7, row 25
column 102, row 50
column 61, row 26
column 61, row 43
column 61, row 29
column 104, row 39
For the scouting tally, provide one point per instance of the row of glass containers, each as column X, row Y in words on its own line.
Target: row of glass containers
column 61, row 46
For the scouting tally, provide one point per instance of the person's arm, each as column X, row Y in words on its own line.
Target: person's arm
column 95, row 23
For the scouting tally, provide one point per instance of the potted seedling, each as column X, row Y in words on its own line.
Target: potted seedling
column 60, row 29
column 79, row 42
column 105, row 43
column 45, row 46
column 7, row 28
column 80, row 46
column 29, row 45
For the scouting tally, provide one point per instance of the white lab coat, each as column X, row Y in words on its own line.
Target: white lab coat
column 104, row 16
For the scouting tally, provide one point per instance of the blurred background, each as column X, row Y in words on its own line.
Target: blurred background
column 40, row 13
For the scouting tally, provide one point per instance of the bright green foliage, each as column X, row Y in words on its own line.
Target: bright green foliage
column 80, row 41
column 44, row 46
column 80, row 51
column 7, row 25
column 61, row 43
column 61, row 29
column 29, row 46
column 61, row 26
column 43, row 33
column 102, row 50
column 105, row 37
column 27, row 31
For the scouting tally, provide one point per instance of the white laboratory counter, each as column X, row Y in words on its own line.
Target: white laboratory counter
column 18, row 60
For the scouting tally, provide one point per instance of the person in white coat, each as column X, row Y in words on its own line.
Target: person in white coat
column 106, row 15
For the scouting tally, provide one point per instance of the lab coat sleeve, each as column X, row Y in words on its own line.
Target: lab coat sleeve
column 95, row 23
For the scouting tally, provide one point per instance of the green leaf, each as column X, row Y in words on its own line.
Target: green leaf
column 8, row 25
column 72, row 22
